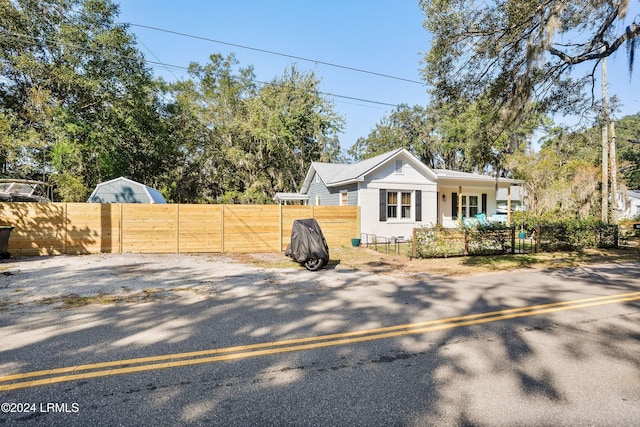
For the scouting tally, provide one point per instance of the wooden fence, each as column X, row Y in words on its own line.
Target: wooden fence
column 85, row 228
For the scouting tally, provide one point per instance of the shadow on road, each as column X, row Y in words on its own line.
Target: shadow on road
column 436, row 377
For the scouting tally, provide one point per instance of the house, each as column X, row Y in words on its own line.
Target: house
column 513, row 195
column 629, row 204
column 123, row 190
column 397, row 192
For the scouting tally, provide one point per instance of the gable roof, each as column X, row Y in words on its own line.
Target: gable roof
column 333, row 174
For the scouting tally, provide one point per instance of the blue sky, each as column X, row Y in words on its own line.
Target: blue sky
column 382, row 36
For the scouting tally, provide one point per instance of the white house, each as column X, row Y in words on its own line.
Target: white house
column 396, row 192
column 629, row 204
column 513, row 195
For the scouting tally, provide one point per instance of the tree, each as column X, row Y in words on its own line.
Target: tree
column 406, row 127
column 290, row 125
column 628, row 130
column 78, row 106
column 206, row 123
column 76, row 86
column 585, row 145
column 242, row 143
column 446, row 135
column 571, row 191
column 513, row 52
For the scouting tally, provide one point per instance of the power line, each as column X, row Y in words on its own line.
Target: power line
column 271, row 52
column 160, row 61
column 352, row 98
column 34, row 40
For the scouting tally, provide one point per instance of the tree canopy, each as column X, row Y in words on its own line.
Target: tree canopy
column 444, row 136
column 519, row 54
column 78, row 105
column 243, row 143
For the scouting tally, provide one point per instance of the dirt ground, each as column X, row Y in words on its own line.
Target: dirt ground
column 66, row 281
column 32, row 283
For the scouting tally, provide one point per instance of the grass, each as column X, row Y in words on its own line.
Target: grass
column 379, row 262
column 75, row 300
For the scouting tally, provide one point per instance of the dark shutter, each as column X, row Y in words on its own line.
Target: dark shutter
column 484, row 203
column 418, row 205
column 454, row 205
column 383, row 205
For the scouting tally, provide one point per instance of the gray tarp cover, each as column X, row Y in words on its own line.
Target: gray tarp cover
column 307, row 241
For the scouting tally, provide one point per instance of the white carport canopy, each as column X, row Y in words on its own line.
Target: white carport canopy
column 283, row 198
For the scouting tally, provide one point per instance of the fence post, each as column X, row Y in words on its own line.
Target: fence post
column 466, row 242
column 538, row 237
column 121, row 233
column 222, row 230
column 513, row 239
column 414, row 243
column 280, row 227
column 66, row 229
column 177, row 228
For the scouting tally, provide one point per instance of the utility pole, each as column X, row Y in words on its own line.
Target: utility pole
column 614, row 173
column 605, row 146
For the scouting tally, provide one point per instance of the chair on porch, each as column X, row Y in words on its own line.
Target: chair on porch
column 482, row 219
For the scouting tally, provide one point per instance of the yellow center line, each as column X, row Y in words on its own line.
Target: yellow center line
column 298, row 344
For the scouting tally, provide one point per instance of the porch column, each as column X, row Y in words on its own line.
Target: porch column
column 460, row 205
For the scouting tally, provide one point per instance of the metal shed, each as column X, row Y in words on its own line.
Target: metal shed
column 124, row 190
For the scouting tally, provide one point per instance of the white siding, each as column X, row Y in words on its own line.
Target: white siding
column 446, row 216
column 386, row 178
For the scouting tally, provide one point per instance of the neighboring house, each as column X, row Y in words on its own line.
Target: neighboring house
column 513, row 196
column 396, row 192
column 123, row 190
column 630, row 205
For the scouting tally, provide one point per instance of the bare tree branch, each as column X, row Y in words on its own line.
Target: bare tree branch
column 631, row 32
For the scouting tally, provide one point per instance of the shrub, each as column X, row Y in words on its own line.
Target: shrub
column 439, row 242
column 552, row 235
column 490, row 239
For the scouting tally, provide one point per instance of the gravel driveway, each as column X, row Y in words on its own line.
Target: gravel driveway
column 55, row 281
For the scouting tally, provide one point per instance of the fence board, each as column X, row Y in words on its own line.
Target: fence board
column 92, row 228
column 39, row 227
column 83, row 228
column 251, row 228
column 149, row 228
column 339, row 223
column 200, row 228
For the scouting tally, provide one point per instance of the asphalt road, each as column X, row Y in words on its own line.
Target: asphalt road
column 556, row 347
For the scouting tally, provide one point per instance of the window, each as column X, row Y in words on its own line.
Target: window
column 344, row 198
column 399, row 166
column 399, row 204
column 392, row 204
column 473, row 206
column 470, row 205
column 464, row 207
column 406, row 205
